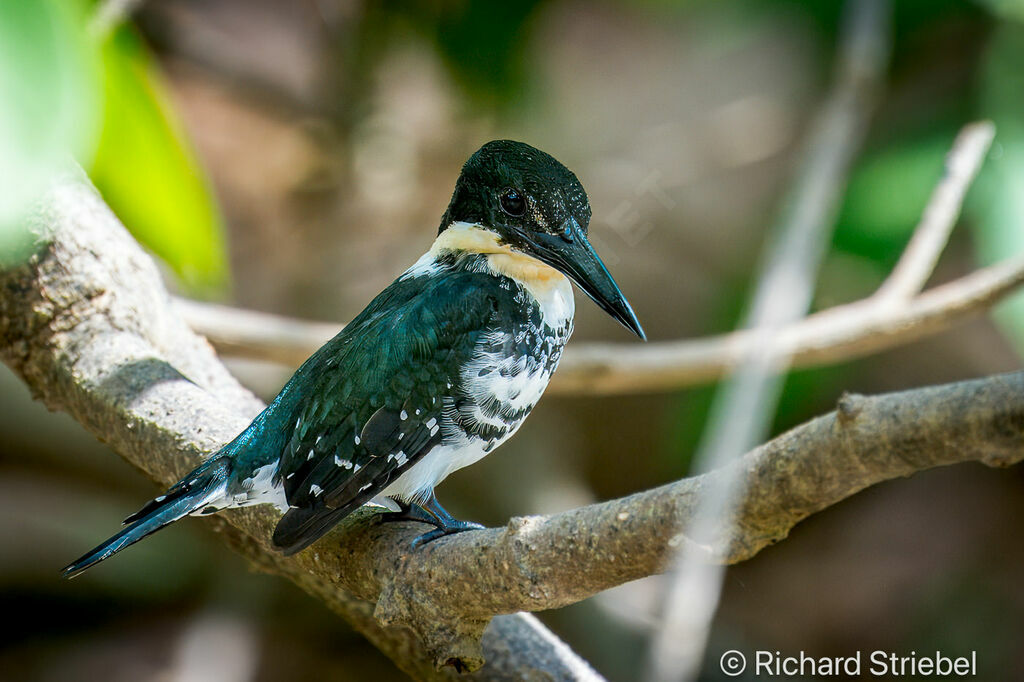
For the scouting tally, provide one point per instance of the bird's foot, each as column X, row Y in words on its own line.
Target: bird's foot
column 408, row 512
column 452, row 528
column 429, row 511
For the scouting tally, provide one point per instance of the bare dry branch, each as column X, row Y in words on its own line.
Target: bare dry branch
column 841, row 333
column 255, row 335
column 844, row 332
column 87, row 324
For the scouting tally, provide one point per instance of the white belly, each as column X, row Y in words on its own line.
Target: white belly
column 418, row 482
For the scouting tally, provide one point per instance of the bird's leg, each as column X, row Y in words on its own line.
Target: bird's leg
column 430, row 511
column 408, row 511
column 445, row 523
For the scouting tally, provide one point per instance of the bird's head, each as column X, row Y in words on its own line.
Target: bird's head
column 536, row 207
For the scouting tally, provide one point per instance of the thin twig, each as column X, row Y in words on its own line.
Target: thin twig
column 844, row 332
column 256, row 335
column 744, row 405
column 939, row 218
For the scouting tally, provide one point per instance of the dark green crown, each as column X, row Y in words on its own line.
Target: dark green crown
column 504, row 172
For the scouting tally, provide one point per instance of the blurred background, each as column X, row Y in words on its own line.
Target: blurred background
column 294, row 157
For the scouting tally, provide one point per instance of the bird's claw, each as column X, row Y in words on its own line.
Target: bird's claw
column 457, row 527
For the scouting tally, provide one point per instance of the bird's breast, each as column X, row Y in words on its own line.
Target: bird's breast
column 510, row 368
column 506, row 373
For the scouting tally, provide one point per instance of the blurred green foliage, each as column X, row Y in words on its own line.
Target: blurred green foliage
column 147, row 172
column 885, row 196
column 1011, row 9
column 65, row 94
column 48, row 106
column 484, row 45
column 998, row 202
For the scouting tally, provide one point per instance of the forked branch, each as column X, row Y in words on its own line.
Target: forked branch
column 88, row 325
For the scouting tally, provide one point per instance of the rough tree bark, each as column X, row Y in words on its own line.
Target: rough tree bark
column 89, row 326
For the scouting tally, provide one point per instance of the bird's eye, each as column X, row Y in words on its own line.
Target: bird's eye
column 513, row 202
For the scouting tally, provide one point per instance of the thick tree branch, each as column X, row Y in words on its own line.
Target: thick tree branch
column 90, row 328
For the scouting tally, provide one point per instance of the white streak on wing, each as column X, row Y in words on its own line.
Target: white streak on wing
column 257, row 489
column 385, row 502
column 457, row 450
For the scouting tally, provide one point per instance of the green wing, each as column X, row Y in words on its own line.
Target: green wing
column 372, row 398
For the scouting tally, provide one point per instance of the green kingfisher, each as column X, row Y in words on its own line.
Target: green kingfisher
column 440, row 368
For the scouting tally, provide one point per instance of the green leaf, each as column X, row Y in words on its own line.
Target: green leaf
column 49, row 106
column 147, row 171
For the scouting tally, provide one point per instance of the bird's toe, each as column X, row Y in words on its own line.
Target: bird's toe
column 451, row 529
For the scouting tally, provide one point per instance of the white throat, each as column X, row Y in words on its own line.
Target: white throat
column 551, row 289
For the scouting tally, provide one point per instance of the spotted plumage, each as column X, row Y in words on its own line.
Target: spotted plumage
column 440, row 369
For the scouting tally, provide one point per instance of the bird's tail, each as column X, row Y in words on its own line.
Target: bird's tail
column 205, row 484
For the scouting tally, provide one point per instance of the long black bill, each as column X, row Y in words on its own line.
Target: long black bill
column 573, row 255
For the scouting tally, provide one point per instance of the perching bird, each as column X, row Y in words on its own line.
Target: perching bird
column 440, row 369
